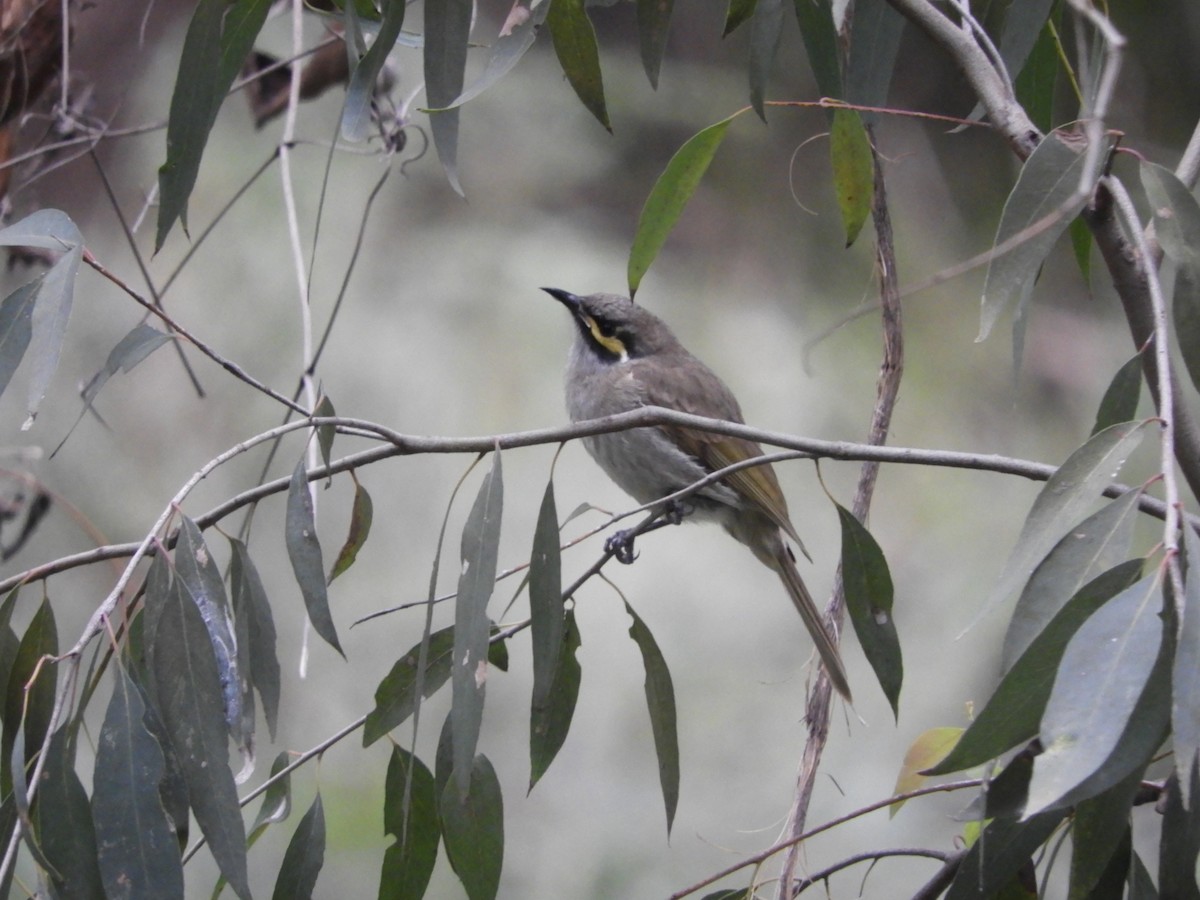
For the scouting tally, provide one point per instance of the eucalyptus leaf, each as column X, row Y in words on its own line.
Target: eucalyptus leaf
column 1101, row 826
column 1179, row 847
column 304, row 857
column 447, row 30
column 469, row 668
column 660, row 701
column 653, row 19
column 550, row 718
column 507, row 50
column 304, row 551
column 361, row 515
column 853, row 170
column 410, row 815
column 1001, row 850
column 356, row 113
column 472, row 815
column 874, row 43
column 1120, row 401
column 545, row 598
column 1185, row 687
column 575, row 44
column 16, row 328
column 62, row 818
column 821, row 42
column 255, row 630
column 766, row 27
column 395, row 697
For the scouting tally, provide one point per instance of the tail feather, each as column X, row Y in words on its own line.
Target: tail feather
column 782, row 563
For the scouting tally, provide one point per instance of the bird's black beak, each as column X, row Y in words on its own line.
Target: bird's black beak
column 571, row 301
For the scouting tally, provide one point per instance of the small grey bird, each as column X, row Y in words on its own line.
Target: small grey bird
column 624, row 358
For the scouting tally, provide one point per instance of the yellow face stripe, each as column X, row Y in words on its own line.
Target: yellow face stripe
column 610, row 343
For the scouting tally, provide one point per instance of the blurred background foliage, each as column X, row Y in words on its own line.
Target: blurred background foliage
column 444, row 332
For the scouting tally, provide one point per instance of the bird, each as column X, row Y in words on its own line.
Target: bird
column 623, row 358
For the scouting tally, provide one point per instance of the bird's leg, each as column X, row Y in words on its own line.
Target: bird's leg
column 620, row 543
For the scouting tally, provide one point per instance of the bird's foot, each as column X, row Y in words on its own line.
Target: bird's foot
column 674, row 511
column 620, row 545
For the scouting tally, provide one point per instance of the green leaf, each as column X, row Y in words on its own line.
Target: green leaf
column 868, row 586
column 255, row 630
column 395, row 697
column 221, row 34
column 545, row 598
column 62, row 817
column 356, row 113
column 447, row 30
column 304, row 856
column 198, row 575
column 277, row 801
column 16, row 327
column 192, row 707
column 1038, row 73
column 1048, row 179
column 472, row 816
column 1101, row 677
column 506, row 50
column 325, row 433
column 468, row 674
column 1013, row 713
column 304, row 550
column 1185, row 310
column 1002, row 849
column 1101, row 826
column 410, row 815
column 853, row 170
column 766, row 27
column 1141, row 885
column 815, row 18
column 874, row 42
column 653, row 18
column 361, row 514
column 1120, row 401
column 739, row 11
column 1179, row 845
column 1024, row 28
column 550, row 719
column 29, row 697
column 669, row 196
column 1094, row 546
column 1176, row 213
column 1063, row 500
column 575, row 44
column 1081, row 245
column 137, row 853
column 1185, row 687
column 660, row 701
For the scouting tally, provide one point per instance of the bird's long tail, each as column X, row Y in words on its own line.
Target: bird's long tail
column 786, row 567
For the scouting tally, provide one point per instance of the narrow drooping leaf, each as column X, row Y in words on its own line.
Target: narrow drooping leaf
column 669, row 196
column 1176, row 212
column 356, row 114
column 1101, row 826
column 472, row 817
column 1120, row 401
column 325, row 433
column 1081, row 245
column 550, row 719
column 1100, row 679
column 447, row 29
column 1063, row 500
column 1024, row 23
column 815, row 18
column 1039, row 72
column 198, row 575
column 545, row 598
column 361, row 514
column 62, row 818
column 1015, row 709
column 930, row 748
column 766, row 27
column 277, row 801
column 853, row 170
column 874, row 42
column 137, row 853
column 868, row 586
column 1179, row 846
column 653, row 18
column 395, row 698
column 256, row 630
column 1048, row 180
column 16, row 327
column 1094, row 546
column 660, row 701
column 468, row 674
column 737, row 13
column 29, row 699
column 1185, row 311
column 304, row 857
column 575, row 45
column 1185, row 687
column 1001, row 850
column 191, row 702
column 410, row 815
column 507, row 50
column 221, row 34
column 51, row 311
column 1141, row 885
column 304, row 550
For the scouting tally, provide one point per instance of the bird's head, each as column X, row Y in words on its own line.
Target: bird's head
column 614, row 327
